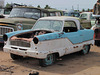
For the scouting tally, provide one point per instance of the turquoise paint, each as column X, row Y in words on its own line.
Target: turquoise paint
column 16, row 32
column 85, row 50
column 74, row 37
column 49, row 59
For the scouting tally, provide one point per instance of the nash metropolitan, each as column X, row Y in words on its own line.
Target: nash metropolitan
column 50, row 37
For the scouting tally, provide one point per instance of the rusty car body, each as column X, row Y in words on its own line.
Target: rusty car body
column 62, row 35
column 87, row 20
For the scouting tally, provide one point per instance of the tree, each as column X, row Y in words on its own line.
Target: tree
column 38, row 6
column 8, row 5
column 47, row 7
column 88, row 9
column 83, row 10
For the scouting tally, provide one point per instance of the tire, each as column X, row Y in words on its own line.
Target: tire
column 16, row 57
column 97, row 42
column 51, row 58
column 86, row 50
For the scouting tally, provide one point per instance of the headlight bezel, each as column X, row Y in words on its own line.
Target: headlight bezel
column 19, row 26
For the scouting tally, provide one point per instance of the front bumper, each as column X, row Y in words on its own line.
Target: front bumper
column 27, row 53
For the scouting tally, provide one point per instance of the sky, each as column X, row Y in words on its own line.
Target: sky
column 58, row 4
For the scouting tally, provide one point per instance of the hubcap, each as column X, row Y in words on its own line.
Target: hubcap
column 49, row 59
column 85, row 50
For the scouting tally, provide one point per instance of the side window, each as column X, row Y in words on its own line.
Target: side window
column 91, row 17
column 58, row 13
column 83, row 16
column 70, row 26
column 43, row 14
column 52, row 14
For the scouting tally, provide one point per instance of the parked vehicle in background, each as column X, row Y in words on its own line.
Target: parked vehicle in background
column 50, row 37
column 5, row 12
column 87, row 20
column 71, row 13
column 96, row 29
column 24, row 18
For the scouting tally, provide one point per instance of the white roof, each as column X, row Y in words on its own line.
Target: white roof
column 87, row 12
column 63, row 18
column 59, row 18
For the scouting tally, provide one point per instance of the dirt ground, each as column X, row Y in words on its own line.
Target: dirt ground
column 73, row 64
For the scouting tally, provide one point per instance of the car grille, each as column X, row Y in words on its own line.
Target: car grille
column 4, row 30
column 21, row 43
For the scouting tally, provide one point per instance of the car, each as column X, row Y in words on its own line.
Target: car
column 5, row 12
column 49, row 38
column 23, row 17
column 87, row 20
column 96, row 29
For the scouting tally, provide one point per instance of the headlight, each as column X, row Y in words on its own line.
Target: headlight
column 5, row 37
column 35, row 40
column 19, row 26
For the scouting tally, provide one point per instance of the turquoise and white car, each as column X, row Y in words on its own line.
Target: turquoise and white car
column 50, row 37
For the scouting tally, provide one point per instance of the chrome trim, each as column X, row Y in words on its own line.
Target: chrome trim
column 4, row 30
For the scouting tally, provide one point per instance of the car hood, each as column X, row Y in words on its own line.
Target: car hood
column 17, row 32
column 17, row 20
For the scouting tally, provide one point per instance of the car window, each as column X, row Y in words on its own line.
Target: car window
column 49, row 24
column 58, row 13
column 83, row 16
column 91, row 17
column 25, row 12
column 52, row 14
column 70, row 26
column 44, row 14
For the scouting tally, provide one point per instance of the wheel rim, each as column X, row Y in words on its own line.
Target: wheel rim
column 85, row 50
column 49, row 59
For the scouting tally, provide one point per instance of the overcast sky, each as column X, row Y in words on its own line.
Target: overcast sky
column 59, row 4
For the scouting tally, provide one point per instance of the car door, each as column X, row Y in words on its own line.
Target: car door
column 73, row 35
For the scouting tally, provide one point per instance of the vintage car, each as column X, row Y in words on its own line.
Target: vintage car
column 23, row 17
column 50, row 37
column 5, row 12
column 87, row 20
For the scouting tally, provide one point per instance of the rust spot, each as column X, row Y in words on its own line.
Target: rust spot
column 36, row 53
column 75, row 47
column 35, row 47
column 25, row 52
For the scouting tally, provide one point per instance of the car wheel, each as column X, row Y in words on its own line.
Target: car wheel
column 15, row 57
column 85, row 50
column 51, row 58
column 97, row 42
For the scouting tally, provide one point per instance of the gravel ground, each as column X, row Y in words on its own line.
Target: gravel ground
column 73, row 64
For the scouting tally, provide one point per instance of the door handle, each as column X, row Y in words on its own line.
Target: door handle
column 81, row 35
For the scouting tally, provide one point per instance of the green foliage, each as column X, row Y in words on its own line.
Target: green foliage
column 83, row 10
column 47, row 7
column 8, row 5
column 38, row 6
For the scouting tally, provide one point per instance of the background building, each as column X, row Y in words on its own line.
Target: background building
column 2, row 3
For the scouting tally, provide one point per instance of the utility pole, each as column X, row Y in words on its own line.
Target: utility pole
column 77, row 7
column 72, row 7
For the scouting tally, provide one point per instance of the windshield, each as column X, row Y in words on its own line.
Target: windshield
column 75, row 14
column 54, row 25
column 25, row 12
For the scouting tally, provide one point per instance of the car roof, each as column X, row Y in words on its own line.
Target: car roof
column 87, row 12
column 59, row 18
column 50, row 10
